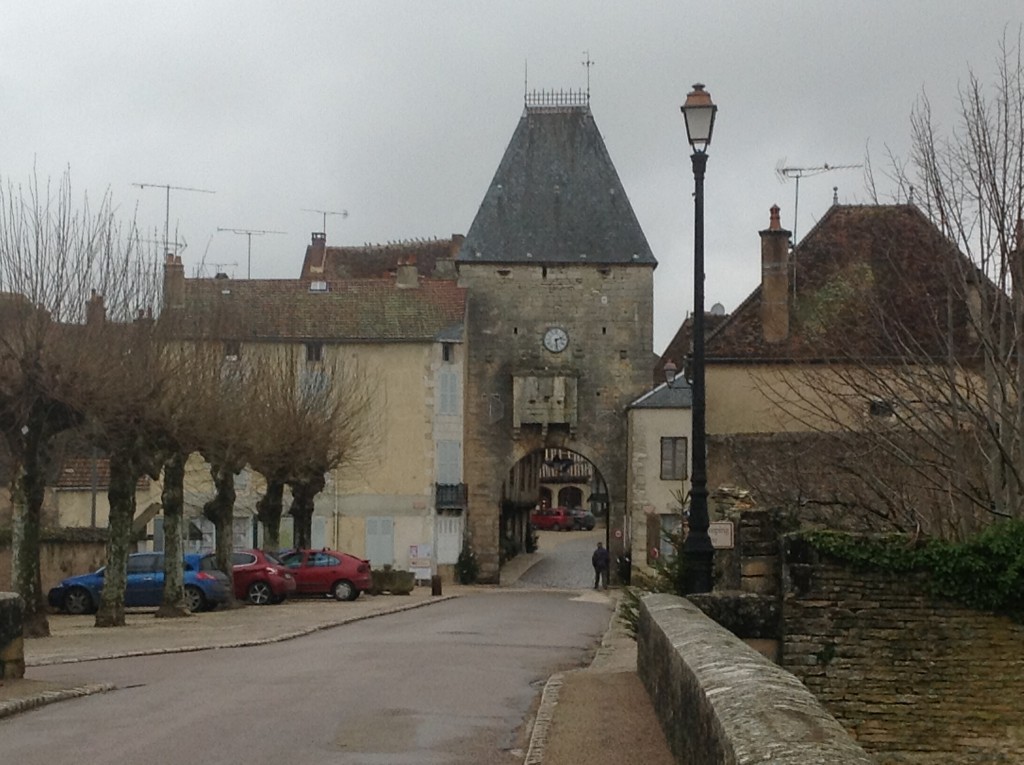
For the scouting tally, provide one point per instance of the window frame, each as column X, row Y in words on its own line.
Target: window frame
column 679, row 468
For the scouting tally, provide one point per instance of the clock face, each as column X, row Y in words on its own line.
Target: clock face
column 556, row 339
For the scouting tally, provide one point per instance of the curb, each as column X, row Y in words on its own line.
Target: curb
column 9, row 708
column 542, row 722
column 50, row 661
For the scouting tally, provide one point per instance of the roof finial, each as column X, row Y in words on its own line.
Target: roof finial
column 587, row 62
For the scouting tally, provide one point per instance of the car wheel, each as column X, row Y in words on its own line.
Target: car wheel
column 77, row 600
column 195, row 601
column 556, row 527
column 260, row 594
column 344, row 590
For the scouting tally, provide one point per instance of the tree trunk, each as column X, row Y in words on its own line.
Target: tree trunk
column 32, row 489
column 173, row 499
column 303, row 496
column 221, row 510
column 121, row 495
column 269, row 510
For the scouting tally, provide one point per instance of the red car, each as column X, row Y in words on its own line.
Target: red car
column 552, row 518
column 260, row 578
column 328, row 572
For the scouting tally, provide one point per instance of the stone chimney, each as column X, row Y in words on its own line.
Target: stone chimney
column 775, row 280
column 174, row 282
column 407, row 276
column 95, row 310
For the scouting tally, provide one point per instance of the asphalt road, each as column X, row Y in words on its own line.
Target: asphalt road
column 452, row 684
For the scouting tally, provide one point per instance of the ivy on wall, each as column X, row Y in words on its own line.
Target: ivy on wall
column 984, row 572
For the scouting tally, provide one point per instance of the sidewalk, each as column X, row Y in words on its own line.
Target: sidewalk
column 596, row 714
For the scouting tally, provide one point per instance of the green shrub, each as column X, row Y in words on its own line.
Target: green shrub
column 467, row 569
column 985, row 572
column 531, row 540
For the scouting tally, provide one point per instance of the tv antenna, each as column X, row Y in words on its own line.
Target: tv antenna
column 249, row 234
column 802, row 172
column 325, row 213
column 167, row 210
column 798, row 173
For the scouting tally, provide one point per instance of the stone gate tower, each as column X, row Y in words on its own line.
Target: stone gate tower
column 559, row 326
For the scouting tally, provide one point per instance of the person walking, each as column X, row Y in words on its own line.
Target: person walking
column 600, row 562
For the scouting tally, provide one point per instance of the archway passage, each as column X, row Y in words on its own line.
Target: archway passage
column 556, row 506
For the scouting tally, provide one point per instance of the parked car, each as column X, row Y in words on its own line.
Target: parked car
column 205, row 586
column 328, row 572
column 552, row 519
column 261, row 578
column 583, row 520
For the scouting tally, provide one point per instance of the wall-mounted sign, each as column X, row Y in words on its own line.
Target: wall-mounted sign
column 721, row 533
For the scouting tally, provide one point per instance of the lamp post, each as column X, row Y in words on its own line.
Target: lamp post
column 699, row 113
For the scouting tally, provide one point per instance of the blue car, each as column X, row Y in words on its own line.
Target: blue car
column 205, row 585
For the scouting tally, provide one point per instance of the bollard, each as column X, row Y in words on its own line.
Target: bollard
column 435, row 586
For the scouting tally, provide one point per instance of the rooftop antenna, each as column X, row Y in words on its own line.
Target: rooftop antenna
column 587, row 62
column 325, row 213
column 167, row 211
column 801, row 172
column 250, row 233
column 217, row 268
column 798, row 173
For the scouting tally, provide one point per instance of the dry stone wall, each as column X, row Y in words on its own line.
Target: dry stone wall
column 915, row 679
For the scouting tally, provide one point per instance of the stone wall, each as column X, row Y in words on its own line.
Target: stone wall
column 609, row 355
column 78, row 551
column 721, row 702
column 914, row 679
column 12, row 645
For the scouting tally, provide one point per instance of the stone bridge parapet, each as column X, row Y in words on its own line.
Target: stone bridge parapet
column 720, row 701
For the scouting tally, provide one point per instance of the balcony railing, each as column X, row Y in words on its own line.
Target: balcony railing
column 450, row 496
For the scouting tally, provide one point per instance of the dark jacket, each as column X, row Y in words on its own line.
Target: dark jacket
column 600, row 559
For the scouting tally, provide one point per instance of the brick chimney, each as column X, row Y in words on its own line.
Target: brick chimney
column 775, row 280
column 174, row 282
column 407, row 276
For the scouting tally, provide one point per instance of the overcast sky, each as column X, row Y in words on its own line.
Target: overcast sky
column 399, row 112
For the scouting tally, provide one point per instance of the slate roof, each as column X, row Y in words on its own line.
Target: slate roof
column 372, row 261
column 669, row 395
column 868, row 278
column 355, row 310
column 556, row 198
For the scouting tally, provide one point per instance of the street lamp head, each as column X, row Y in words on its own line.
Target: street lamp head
column 699, row 113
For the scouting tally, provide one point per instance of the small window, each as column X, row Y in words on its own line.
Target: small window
column 232, row 350
column 447, row 351
column 314, row 352
column 673, row 458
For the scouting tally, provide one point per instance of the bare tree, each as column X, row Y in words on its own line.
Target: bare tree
column 53, row 255
column 308, row 420
column 926, row 427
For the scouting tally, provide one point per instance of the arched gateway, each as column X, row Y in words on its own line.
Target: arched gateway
column 559, row 323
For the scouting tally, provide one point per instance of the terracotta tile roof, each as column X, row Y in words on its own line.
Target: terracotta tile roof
column 868, row 278
column 77, row 474
column 351, row 310
column 680, row 347
column 373, row 261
